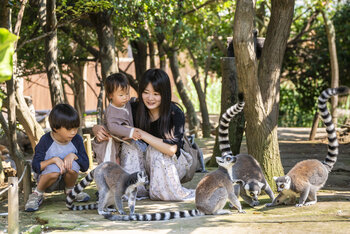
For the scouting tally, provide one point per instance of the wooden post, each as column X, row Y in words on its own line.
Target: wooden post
column 13, row 215
column 314, row 126
column 88, row 148
column 27, row 182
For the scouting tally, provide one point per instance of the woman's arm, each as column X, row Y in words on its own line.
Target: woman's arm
column 158, row 143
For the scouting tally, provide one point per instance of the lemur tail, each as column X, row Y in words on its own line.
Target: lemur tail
column 333, row 144
column 155, row 216
column 224, row 143
column 77, row 189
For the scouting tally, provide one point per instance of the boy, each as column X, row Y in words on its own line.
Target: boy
column 118, row 118
column 59, row 156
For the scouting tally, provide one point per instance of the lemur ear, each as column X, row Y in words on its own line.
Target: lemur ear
column 241, row 182
column 261, row 184
column 246, row 186
column 219, row 160
column 275, row 178
column 287, row 179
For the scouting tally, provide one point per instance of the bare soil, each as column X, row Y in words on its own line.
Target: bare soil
column 330, row 215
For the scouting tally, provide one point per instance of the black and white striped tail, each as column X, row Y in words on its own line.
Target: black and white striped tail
column 77, row 189
column 224, row 143
column 333, row 144
column 155, row 216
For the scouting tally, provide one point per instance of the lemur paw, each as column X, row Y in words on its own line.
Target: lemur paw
column 122, row 212
column 269, row 204
column 299, row 205
column 241, row 211
column 102, row 212
column 254, row 203
column 111, row 209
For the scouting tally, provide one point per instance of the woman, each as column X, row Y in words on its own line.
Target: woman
column 161, row 124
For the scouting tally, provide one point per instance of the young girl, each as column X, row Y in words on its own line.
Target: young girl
column 118, row 118
column 162, row 123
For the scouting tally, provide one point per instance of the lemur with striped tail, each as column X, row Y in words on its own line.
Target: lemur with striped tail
column 212, row 191
column 112, row 183
column 309, row 176
column 246, row 169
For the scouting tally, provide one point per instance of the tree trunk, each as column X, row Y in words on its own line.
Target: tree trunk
column 106, row 43
column 206, row 126
column 151, row 54
column 261, row 87
column 31, row 127
column 330, row 31
column 139, row 53
column 79, row 90
column 191, row 114
column 229, row 97
column 161, row 54
column 52, row 70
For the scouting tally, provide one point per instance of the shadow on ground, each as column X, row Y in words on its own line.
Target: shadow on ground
column 330, row 215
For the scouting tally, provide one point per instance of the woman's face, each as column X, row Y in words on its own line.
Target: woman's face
column 151, row 98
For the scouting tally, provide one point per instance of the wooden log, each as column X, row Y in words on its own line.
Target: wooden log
column 88, row 148
column 13, row 213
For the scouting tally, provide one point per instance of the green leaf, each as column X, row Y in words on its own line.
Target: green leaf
column 6, row 52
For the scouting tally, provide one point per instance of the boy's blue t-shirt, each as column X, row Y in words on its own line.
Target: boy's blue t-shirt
column 48, row 148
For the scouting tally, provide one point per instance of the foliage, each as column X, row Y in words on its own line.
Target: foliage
column 6, row 51
column 213, row 95
column 307, row 66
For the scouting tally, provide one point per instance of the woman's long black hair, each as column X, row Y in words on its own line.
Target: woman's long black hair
column 161, row 84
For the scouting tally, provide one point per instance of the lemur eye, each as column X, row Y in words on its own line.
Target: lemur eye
column 282, row 186
column 251, row 194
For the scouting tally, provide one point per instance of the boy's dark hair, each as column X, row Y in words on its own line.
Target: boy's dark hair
column 64, row 115
column 114, row 81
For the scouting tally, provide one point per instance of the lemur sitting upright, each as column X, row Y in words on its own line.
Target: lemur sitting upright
column 112, row 183
column 309, row 176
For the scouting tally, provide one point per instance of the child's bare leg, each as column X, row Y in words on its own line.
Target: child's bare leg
column 118, row 160
column 70, row 177
column 47, row 180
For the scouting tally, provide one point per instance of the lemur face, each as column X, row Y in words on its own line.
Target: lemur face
column 253, row 189
column 282, row 183
column 227, row 161
column 142, row 178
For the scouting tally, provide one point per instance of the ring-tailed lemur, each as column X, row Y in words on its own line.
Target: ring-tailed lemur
column 112, row 183
column 309, row 176
column 212, row 191
column 246, row 167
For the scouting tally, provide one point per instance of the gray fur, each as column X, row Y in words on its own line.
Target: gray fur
column 309, row 176
column 112, row 183
column 212, row 193
column 249, row 171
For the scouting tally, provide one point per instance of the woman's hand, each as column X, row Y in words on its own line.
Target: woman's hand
column 100, row 133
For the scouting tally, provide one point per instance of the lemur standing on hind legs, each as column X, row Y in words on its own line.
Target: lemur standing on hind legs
column 112, row 183
column 309, row 176
column 212, row 191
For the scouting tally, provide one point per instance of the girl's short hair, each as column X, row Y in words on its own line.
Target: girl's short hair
column 114, row 81
column 64, row 115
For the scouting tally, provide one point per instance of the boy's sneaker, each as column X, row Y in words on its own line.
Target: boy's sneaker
column 82, row 197
column 33, row 203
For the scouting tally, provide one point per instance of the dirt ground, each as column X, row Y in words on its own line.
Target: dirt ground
column 330, row 215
